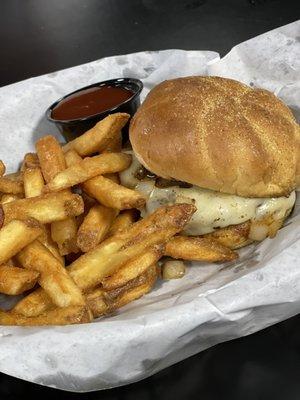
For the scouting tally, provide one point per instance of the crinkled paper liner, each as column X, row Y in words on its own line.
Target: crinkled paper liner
column 212, row 303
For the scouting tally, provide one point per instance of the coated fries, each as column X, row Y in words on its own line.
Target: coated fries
column 88, row 168
column 95, row 227
column 14, row 280
column 100, row 136
column 2, row 168
column 33, row 182
column 64, row 233
column 45, row 209
column 197, row 248
column 123, row 221
column 7, row 198
column 110, row 194
column 75, row 211
column 50, row 156
column 233, row 236
column 53, row 278
column 9, row 185
column 133, row 268
column 90, row 269
column 15, row 236
column 72, row 157
column 30, row 160
column 52, row 162
column 58, row 316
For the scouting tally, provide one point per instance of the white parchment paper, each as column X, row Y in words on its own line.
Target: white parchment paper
column 212, row 303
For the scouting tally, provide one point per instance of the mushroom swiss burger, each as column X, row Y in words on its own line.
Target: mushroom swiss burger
column 231, row 150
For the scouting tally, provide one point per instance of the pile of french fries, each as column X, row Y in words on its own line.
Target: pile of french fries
column 71, row 239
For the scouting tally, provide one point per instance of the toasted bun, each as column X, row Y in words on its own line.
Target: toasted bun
column 218, row 134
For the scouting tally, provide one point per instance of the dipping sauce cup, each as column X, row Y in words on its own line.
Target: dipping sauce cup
column 80, row 110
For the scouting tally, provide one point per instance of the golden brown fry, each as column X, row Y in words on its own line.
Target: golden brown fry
column 7, row 198
column 2, row 168
column 54, row 278
column 72, row 157
column 110, row 194
column 133, row 268
column 233, row 236
column 47, row 241
column 102, row 302
column 64, row 233
column 14, row 280
column 95, row 227
column 123, row 221
column 58, row 316
column 50, row 156
column 88, row 168
column 113, row 253
column 100, row 136
column 33, row 182
column 96, row 303
column 9, row 185
column 98, row 300
column 113, row 177
column 16, row 235
column 115, row 145
column 90, row 269
column 30, row 160
column 34, row 304
column 198, row 249
column 138, row 291
column 52, row 161
column 46, row 209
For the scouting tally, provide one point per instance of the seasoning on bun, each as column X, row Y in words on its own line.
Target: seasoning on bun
column 236, row 148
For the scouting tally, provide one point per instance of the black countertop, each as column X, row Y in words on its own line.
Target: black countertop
column 39, row 36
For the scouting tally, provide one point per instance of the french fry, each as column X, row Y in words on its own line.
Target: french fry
column 91, row 268
column 58, row 316
column 72, row 157
column 53, row 161
column 50, row 156
column 102, row 302
column 233, row 236
column 30, row 160
column 64, row 233
column 33, row 182
column 15, row 176
column 14, row 280
column 115, row 144
column 113, row 177
column 34, row 304
column 138, row 291
column 133, row 268
column 7, row 198
column 2, row 168
column 198, row 249
column 47, row 241
column 45, row 209
column 98, row 300
column 110, row 194
column 15, row 236
column 54, row 278
column 9, row 185
column 100, row 136
column 123, row 221
column 95, row 227
column 88, row 168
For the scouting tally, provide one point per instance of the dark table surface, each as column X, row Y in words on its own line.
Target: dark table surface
column 39, row 36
